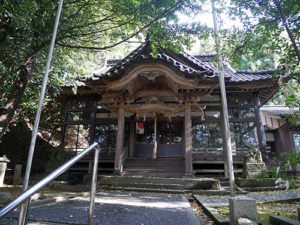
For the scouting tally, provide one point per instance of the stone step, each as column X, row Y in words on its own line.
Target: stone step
column 155, row 174
column 166, row 165
column 157, row 159
column 174, row 168
column 153, row 165
column 142, row 180
column 215, row 170
column 147, row 185
column 154, row 161
column 153, row 169
column 86, row 169
column 156, row 182
column 152, row 190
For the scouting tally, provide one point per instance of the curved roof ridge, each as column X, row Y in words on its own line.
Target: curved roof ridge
column 210, row 55
column 256, row 72
column 198, row 65
column 144, row 51
column 205, row 65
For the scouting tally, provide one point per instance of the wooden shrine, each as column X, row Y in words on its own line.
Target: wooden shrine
column 160, row 115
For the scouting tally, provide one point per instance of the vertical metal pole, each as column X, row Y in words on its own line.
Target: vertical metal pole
column 259, row 124
column 226, row 174
column 224, row 102
column 154, row 155
column 24, row 216
column 24, row 208
column 93, row 186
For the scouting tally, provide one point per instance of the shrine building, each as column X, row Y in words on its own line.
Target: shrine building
column 161, row 115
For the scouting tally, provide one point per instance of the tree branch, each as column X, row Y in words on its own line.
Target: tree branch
column 95, row 31
column 166, row 12
column 291, row 36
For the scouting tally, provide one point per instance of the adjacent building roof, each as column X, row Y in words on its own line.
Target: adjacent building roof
column 278, row 110
column 200, row 65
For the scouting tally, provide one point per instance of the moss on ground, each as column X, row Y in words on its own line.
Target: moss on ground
column 265, row 210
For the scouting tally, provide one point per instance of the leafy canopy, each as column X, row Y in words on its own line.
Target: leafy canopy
column 92, row 25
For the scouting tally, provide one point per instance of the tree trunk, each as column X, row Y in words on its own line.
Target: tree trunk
column 14, row 99
column 291, row 36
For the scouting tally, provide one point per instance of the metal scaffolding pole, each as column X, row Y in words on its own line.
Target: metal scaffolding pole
column 224, row 102
column 24, row 208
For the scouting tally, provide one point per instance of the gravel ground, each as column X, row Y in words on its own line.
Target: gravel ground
column 114, row 208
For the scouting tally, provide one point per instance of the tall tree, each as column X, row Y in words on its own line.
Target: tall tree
column 271, row 27
column 94, row 25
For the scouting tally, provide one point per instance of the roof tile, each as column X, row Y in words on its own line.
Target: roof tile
column 200, row 65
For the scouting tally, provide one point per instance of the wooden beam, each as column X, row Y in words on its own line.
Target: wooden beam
column 157, row 93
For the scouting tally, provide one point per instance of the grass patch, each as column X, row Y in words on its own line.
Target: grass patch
column 265, row 210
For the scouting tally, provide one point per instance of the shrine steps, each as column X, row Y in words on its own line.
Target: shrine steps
column 155, row 184
column 160, row 167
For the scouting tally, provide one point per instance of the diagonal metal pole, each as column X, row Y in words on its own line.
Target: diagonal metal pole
column 224, row 102
column 24, row 208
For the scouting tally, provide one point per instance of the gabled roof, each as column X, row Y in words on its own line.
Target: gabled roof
column 192, row 66
column 232, row 75
column 144, row 52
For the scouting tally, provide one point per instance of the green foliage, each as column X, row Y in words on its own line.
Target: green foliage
column 15, row 145
column 57, row 158
column 269, row 35
column 264, row 30
column 289, row 160
column 289, row 94
column 275, row 172
column 96, row 26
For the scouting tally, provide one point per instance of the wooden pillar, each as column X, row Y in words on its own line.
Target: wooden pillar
column 17, row 174
column 120, row 142
column 188, row 142
column 260, row 127
column 63, row 131
column 131, row 139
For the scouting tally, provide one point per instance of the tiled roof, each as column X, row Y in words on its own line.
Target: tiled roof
column 278, row 109
column 200, row 65
column 206, row 58
column 70, row 84
column 145, row 52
